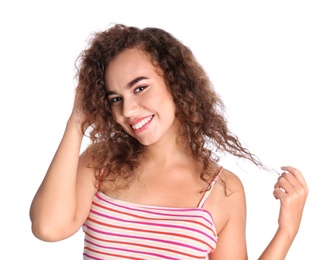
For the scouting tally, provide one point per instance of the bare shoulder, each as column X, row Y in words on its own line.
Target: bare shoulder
column 86, row 173
column 228, row 210
column 231, row 182
column 227, row 199
column 85, row 159
column 228, row 189
column 85, row 187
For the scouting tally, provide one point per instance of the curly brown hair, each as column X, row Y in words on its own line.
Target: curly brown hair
column 199, row 107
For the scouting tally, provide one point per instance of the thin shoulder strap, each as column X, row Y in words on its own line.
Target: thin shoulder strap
column 102, row 170
column 209, row 189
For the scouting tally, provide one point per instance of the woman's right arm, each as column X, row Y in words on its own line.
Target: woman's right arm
column 63, row 200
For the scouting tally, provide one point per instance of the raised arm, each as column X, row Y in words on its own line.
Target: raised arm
column 63, row 199
column 291, row 189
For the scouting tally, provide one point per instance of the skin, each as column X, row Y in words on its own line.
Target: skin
column 138, row 94
column 134, row 98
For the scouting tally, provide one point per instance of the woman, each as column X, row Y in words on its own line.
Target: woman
column 149, row 185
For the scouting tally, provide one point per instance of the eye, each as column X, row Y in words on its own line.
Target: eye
column 114, row 100
column 139, row 89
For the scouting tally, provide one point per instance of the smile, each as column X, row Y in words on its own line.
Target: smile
column 141, row 123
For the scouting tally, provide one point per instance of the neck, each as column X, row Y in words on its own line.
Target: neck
column 168, row 151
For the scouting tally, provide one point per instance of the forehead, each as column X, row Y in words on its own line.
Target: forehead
column 129, row 64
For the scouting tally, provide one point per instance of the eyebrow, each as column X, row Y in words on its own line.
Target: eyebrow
column 128, row 86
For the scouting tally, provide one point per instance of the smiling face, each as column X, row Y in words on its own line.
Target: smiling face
column 140, row 100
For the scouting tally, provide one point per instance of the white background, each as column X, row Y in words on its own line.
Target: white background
column 269, row 60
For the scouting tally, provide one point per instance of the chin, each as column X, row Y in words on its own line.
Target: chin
column 146, row 142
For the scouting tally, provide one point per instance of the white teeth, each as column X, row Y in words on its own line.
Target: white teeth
column 141, row 123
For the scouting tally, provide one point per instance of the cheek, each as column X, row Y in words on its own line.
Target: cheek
column 115, row 113
column 169, row 103
column 165, row 99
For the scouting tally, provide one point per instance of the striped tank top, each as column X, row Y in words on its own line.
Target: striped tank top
column 118, row 230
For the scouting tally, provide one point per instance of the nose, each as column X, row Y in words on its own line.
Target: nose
column 130, row 107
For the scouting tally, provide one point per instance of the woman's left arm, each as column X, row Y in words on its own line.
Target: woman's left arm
column 231, row 242
column 291, row 189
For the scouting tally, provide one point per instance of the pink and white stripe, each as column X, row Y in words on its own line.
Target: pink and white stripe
column 120, row 230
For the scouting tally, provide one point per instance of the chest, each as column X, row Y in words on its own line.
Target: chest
column 160, row 191
column 173, row 191
column 114, row 226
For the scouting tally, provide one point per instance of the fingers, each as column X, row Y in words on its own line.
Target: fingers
column 284, row 185
column 297, row 174
column 291, row 189
column 78, row 113
column 290, row 182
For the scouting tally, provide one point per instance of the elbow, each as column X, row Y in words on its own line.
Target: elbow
column 47, row 233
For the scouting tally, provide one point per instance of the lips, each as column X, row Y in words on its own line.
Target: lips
column 141, row 123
